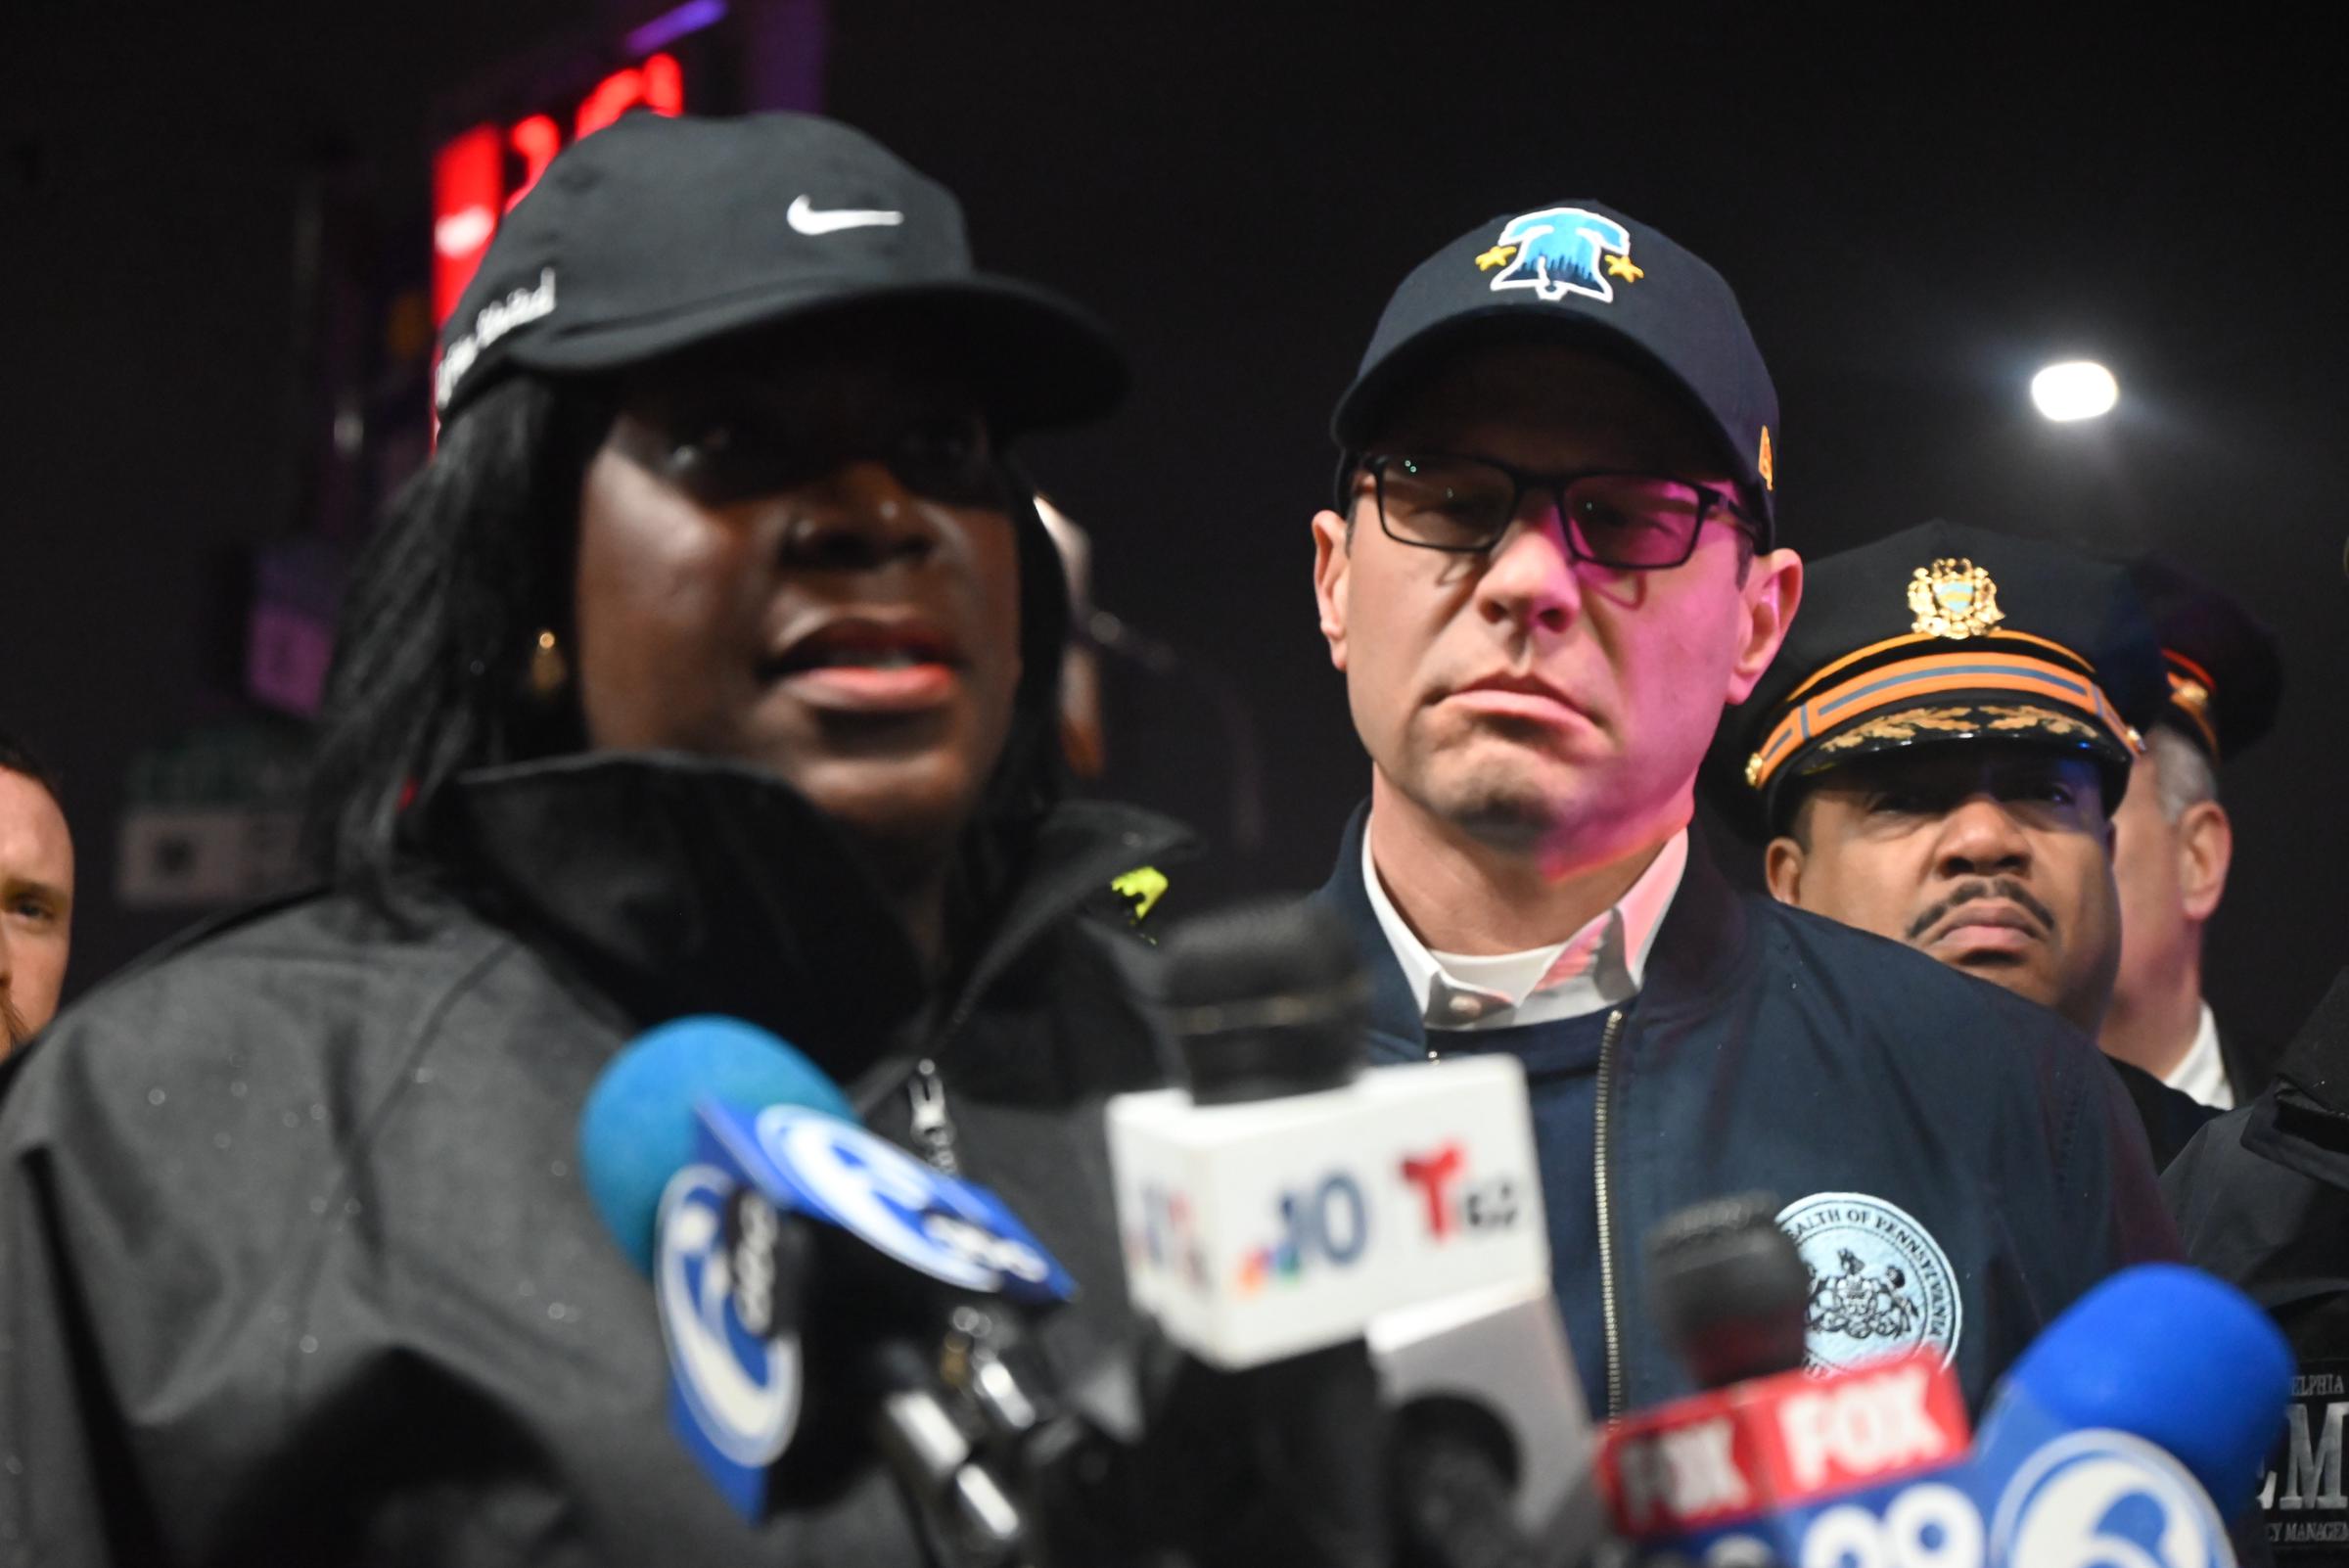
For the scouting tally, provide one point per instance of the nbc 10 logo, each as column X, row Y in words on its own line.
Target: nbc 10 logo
column 1168, row 1237
column 1323, row 1225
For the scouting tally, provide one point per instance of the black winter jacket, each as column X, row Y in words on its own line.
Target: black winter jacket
column 1966, row 1151
column 2262, row 1199
column 294, row 1265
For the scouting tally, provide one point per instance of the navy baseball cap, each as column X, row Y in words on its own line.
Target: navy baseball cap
column 1579, row 272
column 660, row 233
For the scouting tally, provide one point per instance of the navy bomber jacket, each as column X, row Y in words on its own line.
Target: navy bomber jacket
column 1956, row 1164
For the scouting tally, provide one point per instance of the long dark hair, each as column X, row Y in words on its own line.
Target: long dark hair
column 474, row 557
column 429, row 676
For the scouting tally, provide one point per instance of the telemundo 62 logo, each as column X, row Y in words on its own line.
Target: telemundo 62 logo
column 2106, row 1500
column 737, row 1378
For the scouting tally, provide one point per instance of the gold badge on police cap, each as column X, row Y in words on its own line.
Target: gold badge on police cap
column 1954, row 599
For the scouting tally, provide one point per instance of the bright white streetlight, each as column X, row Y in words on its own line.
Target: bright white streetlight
column 2077, row 389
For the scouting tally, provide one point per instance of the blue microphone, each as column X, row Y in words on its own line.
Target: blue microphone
column 2161, row 1352
column 640, row 1127
column 733, row 1173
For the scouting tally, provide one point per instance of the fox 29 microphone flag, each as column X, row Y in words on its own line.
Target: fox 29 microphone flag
column 2104, row 1448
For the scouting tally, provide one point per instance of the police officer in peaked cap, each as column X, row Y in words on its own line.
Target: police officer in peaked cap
column 2174, row 838
column 1937, row 756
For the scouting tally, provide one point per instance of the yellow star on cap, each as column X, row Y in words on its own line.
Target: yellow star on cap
column 1495, row 258
column 1622, row 267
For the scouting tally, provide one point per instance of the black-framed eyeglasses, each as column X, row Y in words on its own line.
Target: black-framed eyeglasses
column 1464, row 505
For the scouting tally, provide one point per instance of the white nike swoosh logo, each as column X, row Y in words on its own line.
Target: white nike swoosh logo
column 808, row 220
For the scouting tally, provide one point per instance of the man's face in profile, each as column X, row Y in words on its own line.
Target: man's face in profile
column 36, row 906
column 1994, row 859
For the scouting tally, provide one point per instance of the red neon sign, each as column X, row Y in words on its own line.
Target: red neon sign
column 471, row 190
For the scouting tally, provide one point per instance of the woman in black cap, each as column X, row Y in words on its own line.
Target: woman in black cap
column 709, row 666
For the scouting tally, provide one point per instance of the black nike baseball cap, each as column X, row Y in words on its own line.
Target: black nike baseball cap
column 661, row 233
column 1579, row 272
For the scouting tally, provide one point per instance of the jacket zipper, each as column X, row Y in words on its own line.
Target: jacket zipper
column 925, row 1092
column 933, row 1127
column 1607, row 1217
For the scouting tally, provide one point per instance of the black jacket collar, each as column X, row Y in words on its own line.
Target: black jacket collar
column 2302, row 1123
column 1701, row 951
column 681, row 884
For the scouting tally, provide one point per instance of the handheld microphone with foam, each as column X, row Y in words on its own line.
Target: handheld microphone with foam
column 2105, row 1444
column 724, row 1164
column 1729, row 1290
column 1287, row 1207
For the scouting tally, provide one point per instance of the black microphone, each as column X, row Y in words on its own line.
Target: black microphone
column 1728, row 1289
column 1268, row 1001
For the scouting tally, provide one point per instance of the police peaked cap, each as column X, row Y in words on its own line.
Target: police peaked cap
column 1938, row 636
column 2226, row 670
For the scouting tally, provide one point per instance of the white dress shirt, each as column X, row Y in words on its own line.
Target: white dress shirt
column 2203, row 1073
column 1598, row 966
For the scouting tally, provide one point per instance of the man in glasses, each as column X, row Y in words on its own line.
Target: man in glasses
column 1550, row 561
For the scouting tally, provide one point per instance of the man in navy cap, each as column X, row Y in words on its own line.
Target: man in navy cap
column 2175, row 840
column 1551, row 560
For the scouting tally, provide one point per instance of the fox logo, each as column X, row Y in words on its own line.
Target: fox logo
column 1562, row 250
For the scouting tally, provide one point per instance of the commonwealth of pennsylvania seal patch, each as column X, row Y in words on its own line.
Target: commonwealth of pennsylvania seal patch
column 1880, row 1284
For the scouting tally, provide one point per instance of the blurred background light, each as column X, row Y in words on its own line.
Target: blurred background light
column 2077, row 389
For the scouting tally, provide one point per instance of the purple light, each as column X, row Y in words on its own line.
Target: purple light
column 691, row 16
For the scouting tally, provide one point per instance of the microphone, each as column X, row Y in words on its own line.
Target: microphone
column 724, row 1162
column 1729, row 1289
column 638, row 1127
column 2106, row 1442
column 1383, row 1229
column 2168, row 1354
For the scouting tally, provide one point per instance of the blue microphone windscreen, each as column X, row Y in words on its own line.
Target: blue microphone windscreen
column 638, row 1128
column 2176, row 1356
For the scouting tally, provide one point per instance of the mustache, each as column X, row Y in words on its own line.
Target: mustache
column 1966, row 893
column 13, row 1023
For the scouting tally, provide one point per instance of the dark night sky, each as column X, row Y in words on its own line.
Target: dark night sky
column 1915, row 217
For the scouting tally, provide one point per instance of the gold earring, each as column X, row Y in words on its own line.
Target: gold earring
column 551, row 671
